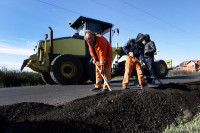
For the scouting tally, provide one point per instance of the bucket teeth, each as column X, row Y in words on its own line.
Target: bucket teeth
column 24, row 64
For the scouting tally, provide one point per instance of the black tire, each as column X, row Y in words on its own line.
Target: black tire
column 160, row 68
column 92, row 72
column 85, row 77
column 46, row 77
column 66, row 69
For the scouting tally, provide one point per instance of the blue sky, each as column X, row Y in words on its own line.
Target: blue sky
column 173, row 25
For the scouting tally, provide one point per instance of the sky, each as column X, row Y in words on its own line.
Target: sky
column 173, row 25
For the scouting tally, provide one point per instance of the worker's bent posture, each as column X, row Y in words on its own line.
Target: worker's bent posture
column 134, row 48
column 101, row 51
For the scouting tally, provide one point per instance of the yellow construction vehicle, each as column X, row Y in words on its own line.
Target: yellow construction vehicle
column 67, row 60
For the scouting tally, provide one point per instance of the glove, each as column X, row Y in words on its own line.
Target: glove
column 131, row 54
column 143, row 64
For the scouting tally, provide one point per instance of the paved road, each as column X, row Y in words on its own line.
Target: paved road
column 59, row 94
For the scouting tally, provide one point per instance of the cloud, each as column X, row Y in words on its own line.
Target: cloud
column 10, row 65
column 5, row 48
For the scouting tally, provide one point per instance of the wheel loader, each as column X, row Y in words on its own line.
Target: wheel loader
column 67, row 60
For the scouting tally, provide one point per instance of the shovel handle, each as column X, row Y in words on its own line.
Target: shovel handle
column 148, row 70
column 103, row 78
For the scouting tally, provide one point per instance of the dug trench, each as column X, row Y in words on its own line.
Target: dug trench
column 122, row 111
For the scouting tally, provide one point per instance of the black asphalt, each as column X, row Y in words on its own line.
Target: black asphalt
column 59, row 94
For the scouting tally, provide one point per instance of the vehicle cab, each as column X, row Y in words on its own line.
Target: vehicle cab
column 99, row 27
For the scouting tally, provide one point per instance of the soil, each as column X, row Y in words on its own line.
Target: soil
column 120, row 111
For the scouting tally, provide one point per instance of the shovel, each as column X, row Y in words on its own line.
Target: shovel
column 103, row 78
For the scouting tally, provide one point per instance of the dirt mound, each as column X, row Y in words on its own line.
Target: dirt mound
column 147, row 110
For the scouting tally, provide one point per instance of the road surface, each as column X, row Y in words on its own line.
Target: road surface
column 60, row 94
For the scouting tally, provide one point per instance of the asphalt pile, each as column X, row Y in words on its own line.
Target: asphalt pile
column 121, row 111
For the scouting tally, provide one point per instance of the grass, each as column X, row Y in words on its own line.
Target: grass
column 192, row 126
column 181, row 73
column 13, row 78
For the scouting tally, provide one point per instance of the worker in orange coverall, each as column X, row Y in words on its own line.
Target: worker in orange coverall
column 134, row 48
column 101, row 51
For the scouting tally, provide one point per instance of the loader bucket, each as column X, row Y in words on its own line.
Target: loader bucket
column 33, row 63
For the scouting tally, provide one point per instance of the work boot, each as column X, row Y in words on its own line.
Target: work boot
column 104, row 90
column 95, row 89
column 125, row 87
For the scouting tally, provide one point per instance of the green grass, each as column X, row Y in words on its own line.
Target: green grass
column 13, row 78
column 192, row 126
column 181, row 73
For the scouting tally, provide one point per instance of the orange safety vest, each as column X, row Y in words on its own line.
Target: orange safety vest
column 103, row 51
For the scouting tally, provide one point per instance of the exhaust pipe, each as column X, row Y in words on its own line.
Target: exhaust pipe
column 51, row 45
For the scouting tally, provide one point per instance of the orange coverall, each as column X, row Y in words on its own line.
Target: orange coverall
column 104, row 58
column 130, row 64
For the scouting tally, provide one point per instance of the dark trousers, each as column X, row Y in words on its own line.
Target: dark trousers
column 149, row 61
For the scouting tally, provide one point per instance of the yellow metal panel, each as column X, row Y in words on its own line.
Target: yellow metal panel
column 169, row 63
column 69, row 46
column 48, row 46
